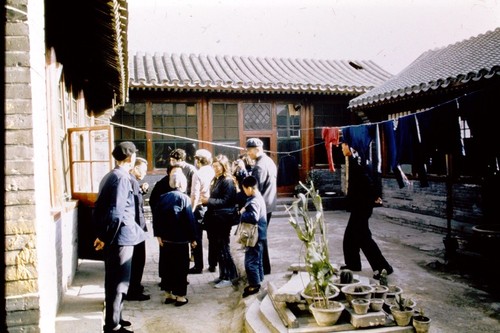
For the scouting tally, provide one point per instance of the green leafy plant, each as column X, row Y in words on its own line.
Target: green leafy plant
column 403, row 303
column 311, row 230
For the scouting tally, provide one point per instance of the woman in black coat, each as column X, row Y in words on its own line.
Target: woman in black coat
column 219, row 219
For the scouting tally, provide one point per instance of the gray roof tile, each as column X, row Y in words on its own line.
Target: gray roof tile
column 253, row 74
column 475, row 59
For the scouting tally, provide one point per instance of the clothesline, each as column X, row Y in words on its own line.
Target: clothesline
column 276, row 152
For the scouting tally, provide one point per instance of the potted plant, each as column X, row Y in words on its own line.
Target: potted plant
column 346, row 278
column 392, row 290
column 421, row 322
column 311, row 229
column 355, row 291
column 360, row 305
column 401, row 311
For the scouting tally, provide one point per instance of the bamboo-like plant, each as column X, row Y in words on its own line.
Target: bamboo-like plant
column 311, row 229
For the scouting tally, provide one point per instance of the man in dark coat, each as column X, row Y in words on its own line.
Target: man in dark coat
column 117, row 233
column 361, row 196
column 265, row 171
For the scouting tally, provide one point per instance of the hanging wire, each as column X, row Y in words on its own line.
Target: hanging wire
column 455, row 100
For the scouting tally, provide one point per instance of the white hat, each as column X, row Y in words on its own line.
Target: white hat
column 203, row 153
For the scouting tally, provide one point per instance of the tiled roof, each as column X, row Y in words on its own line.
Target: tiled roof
column 252, row 74
column 474, row 59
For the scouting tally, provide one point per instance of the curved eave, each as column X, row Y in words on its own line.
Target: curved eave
column 251, row 88
column 373, row 98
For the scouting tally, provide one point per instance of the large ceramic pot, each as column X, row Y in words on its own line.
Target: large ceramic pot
column 486, row 238
column 421, row 323
column 402, row 318
column 327, row 316
column 336, row 282
column 357, row 291
column 310, row 296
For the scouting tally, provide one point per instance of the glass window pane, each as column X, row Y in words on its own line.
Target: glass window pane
column 225, row 121
column 232, row 133
column 181, row 109
column 180, row 122
column 218, row 133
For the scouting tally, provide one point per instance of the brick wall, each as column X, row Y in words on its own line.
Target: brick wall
column 466, row 200
column 21, row 258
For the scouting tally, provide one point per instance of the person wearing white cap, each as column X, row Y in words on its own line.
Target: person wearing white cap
column 266, row 173
column 200, row 189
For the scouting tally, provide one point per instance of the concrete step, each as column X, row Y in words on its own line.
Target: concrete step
column 271, row 317
column 253, row 321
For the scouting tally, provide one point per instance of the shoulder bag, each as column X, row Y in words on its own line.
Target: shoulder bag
column 247, row 234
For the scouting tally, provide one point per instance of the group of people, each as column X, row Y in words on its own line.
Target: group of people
column 208, row 196
column 211, row 195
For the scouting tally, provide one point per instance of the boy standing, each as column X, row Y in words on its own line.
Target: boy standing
column 254, row 212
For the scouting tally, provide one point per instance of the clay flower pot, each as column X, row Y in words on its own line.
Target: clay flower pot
column 336, row 283
column 327, row 316
column 402, row 318
column 380, row 291
column 376, row 304
column 392, row 301
column 357, row 291
column 360, row 305
column 421, row 323
column 393, row 291
column 312, row 297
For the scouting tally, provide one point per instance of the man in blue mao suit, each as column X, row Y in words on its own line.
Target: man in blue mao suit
column 117, row 233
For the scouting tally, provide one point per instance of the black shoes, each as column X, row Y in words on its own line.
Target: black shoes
column 250, row 291
column 195, row 270
column 378, row 273
column 137, row 297
column 122, row 329
column 125, row 323
column 211, row 269
column 179, row 303
column 169, row 300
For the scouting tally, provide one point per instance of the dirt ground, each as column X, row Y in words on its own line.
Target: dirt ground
column 459, row 296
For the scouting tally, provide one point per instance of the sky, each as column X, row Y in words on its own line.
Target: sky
column 392, row 33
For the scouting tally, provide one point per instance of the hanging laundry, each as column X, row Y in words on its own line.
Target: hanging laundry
column 389, row 132
column 409, row 150
column 288, row 171
column 331, row 137
column 359, row 138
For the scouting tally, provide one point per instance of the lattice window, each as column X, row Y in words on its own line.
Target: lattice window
column 257, row 116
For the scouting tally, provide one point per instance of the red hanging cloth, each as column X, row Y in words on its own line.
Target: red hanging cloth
column 331, row 137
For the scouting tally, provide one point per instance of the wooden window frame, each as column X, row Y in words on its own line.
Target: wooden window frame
column 89, row 197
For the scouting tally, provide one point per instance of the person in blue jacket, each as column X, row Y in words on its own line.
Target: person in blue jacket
column 117, row 233
column 254, row 212
column 174, row 227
